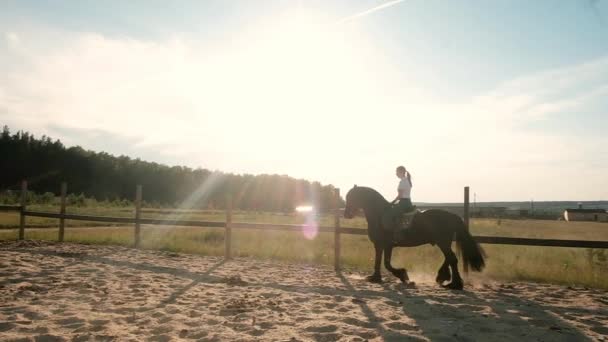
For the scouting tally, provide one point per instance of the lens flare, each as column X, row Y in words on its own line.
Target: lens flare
column 201, row 193
column 310, row 229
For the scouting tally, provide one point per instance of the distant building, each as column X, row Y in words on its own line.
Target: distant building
column 597, row 215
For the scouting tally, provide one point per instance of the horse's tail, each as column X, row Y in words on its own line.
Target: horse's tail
column 471, row 252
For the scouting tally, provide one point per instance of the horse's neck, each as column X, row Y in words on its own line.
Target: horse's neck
column 374, row 208
column 371, row 217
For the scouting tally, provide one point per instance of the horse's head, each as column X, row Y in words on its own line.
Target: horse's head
column 353, row 203
column 360, row 197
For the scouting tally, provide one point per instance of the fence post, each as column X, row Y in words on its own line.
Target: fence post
column 336, row 206
column 228, row 231
column 22, row 212
column 64, row 190
column 137, row 238
column 466, row 207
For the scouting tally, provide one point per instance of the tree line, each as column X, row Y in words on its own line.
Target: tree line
column 45, row 163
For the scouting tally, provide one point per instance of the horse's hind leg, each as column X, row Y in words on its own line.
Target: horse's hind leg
column 456, row 283
column 444, row 274
column 400, row 273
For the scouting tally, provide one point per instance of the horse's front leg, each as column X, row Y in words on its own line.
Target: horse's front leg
column 376, row 277
column 400, row 273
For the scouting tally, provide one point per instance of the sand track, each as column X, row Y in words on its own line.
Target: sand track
column 70, row 292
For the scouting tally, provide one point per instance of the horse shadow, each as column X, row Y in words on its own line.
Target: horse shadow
column 484, row 313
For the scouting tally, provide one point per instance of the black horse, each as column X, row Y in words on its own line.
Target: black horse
column 434, row 226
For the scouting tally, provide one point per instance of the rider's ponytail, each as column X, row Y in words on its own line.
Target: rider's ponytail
column 405, row 172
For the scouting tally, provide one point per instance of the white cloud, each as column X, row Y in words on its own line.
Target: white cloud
column 535, row 96
column 12, row 38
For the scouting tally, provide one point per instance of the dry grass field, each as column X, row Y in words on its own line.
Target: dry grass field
column 571, row 266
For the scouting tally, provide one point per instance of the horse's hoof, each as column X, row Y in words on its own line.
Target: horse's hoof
column 442, row 279
column 374, row 278
column 454, row 286
column 402, row 275
column 409, row 284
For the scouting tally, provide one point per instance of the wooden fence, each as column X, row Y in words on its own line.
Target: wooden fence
column 228, row 225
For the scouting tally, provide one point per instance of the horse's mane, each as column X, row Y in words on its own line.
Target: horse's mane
column 370, row 192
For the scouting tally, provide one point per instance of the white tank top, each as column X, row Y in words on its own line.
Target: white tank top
column 405, row 188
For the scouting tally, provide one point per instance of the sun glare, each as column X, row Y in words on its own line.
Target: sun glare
column 304, row 209
column 301, row 65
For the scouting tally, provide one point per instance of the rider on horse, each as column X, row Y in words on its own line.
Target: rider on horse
column 401, row 204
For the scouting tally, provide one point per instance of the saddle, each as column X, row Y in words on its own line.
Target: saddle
column 404, row 223
column 406, row 219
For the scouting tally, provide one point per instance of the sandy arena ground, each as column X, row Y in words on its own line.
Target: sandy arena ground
column 69, row 292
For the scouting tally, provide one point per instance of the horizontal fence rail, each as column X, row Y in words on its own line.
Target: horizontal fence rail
column 499, row 240
column 228, row 225
column 496, row 240
column 10, row 208
column 285, row 227
column 110, row 219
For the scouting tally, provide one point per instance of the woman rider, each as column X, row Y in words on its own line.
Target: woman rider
column 402, row 203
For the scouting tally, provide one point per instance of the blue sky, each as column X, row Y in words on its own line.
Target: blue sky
column 508, row 97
